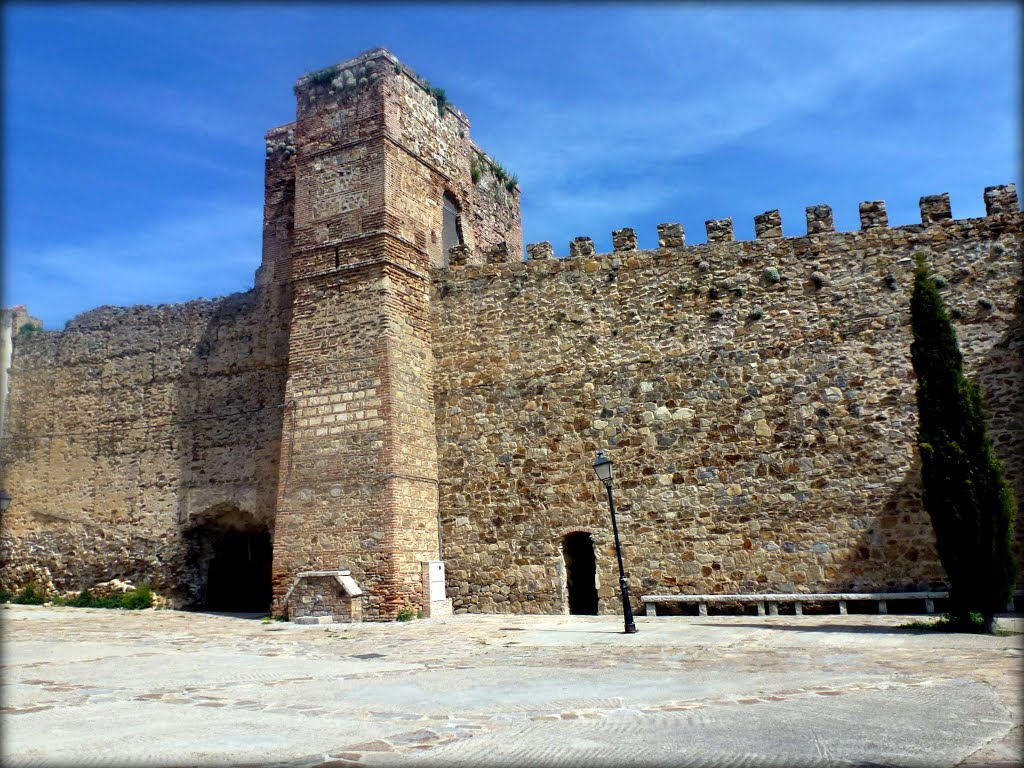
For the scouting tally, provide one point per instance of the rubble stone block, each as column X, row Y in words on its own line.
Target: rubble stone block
column 819, row 219
column 719, row 230
column 671, row 236
column 768, row 224
column 935, row 208
column 542, row 250
column 581, row 246
column 1001, row 199
column 624, row 239
column 872, row 214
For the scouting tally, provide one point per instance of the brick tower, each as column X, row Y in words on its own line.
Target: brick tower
column 377, row 175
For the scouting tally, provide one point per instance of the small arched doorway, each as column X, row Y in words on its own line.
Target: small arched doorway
column 230, row 556
column 580, row 573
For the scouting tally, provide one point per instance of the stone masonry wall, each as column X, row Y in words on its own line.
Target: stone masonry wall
column 370, row 414
column 374, row 157
column 756, row 397
column 129, row 429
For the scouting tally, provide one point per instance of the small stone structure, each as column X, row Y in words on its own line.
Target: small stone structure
column 324, row 597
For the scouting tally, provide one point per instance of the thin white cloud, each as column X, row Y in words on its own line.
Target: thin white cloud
column 206, row 252
column 128, row 100
column 123, row 143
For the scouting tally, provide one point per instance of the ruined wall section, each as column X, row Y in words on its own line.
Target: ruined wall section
column 757, row 398
column 492, row 212
column 273, row 277
column 129, row 429
column 438, row 139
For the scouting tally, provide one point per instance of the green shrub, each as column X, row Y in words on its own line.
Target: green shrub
column 974, row 622
column 323, row 76
column 135, row 599
column 29, row 595
column 771, row 274
column 405, row 614
column 138, row 598
column 27, row 329
column 442, row 99
column 84, row 599
column 5, row 596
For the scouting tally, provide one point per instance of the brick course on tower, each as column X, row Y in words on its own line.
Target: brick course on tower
column 380, row 400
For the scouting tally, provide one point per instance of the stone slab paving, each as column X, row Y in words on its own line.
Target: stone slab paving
column 168, row 688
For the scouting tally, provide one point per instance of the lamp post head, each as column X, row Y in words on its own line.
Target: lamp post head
column 603, row 468
column 5, row 501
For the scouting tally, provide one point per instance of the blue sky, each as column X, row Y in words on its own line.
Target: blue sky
column 133, row 155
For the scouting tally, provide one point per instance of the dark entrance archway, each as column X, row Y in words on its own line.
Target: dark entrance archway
column 239, row 574
column 580, row 573
column 230, row 556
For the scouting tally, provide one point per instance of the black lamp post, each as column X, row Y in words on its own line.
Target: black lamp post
column 603, row 467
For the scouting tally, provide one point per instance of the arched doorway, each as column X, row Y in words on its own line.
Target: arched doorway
column 231, row 556
column 238, row 578
column 580, row 573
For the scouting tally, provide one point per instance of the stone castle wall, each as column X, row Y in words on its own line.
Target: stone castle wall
column 375, row 403
column 130, row 430
column 756, row 397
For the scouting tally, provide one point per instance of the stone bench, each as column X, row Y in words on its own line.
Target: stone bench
column 798, row 599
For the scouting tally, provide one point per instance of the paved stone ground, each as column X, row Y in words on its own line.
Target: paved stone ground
column 166, row 688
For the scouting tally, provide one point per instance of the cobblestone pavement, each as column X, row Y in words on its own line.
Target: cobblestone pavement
column 100, row 687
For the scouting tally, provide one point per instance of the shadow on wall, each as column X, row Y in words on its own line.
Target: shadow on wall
column 891, row 538
column 229, row 416
column 892, row 541
column 1001, row 375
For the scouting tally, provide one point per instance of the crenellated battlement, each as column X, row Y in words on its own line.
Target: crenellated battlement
column 1000, row 201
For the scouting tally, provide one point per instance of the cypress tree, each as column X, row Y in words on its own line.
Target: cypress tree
column 970, row 504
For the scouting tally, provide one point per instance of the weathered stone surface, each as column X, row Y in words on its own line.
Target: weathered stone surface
column 1001, row 199
column 819, row 219
column 935, row 208
column 624, row 239
column 767, row 456
column 581, row 247
column 872, row 214
column 458, row 255
column 501, row 254
column 540, row 251
column 768, row 224
column 671, row 236
column 719, row 230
